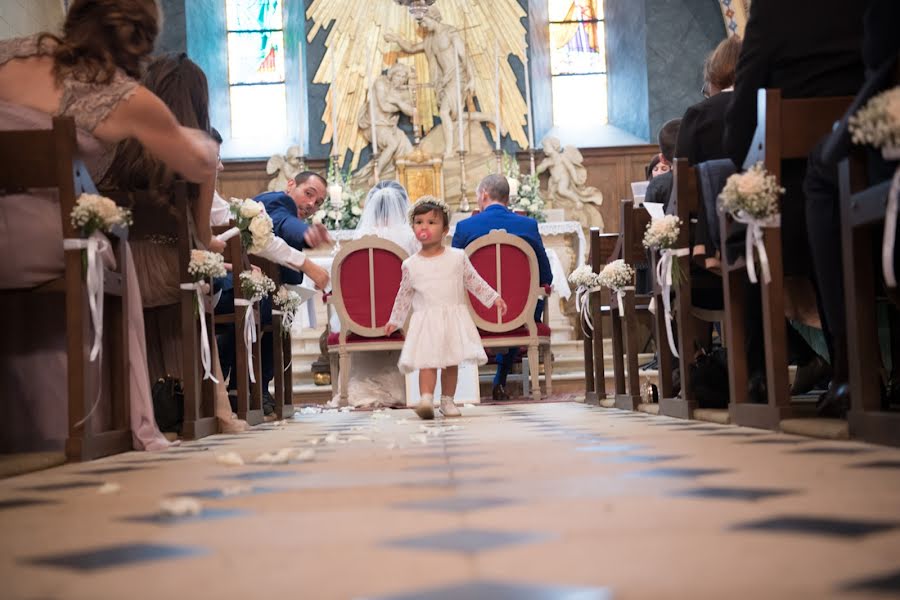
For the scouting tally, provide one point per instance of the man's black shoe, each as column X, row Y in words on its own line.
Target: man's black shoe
column 498, row 394
column 834, row 403
column 809, row 375
column 268, row 403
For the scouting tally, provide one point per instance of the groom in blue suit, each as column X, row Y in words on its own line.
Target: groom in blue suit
column 493, row 200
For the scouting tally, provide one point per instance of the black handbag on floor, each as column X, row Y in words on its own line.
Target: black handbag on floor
column 168, row 404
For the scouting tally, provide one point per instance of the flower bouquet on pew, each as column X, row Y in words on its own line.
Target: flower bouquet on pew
column 95, row 215
column 751, row 198
column 204, row 266
column 662, row 235
column 287, row 301
column 585, row 282
column 255, row 286
column 878, row 124
column 618, row 276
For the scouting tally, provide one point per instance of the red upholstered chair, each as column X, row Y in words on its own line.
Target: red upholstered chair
column 365, row 279
column 510, row 266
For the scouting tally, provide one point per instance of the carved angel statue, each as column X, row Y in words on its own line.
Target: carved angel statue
column 391, row 97
column 568, row 177
column 286, row 166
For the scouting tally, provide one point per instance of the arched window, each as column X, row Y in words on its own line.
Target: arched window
column 578, row 62
column 256, row 69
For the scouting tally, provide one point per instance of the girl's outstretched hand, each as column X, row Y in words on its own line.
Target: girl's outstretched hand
column 501, row 306
column 389, row 329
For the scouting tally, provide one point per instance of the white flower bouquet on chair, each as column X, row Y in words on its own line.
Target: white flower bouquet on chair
column 94, row 216
column 878, row 124
column 586, row 282
column 662, row 235
column 255, row 286
column 204, row 266
column 288, row 302
column 751, row 198
column 252, row 222
column 619, row 277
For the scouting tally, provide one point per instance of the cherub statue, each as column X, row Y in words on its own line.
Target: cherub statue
column 286, row 167
column 391, row 97
column 567, row 180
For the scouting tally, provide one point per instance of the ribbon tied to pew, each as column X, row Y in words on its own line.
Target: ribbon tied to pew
column 889, row 238
column 205, row 353
column 664, row 268
column 96, row 247
column 620, row 297
column 583, row 306
column 249, row 333
column 754, row 242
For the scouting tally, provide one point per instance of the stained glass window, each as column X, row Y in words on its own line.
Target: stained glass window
column 578, row 60
column 256, row 68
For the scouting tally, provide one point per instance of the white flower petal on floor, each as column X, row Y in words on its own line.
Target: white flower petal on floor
column 230, row 459
column 282, row 457
column 419, row 438
column 314, row 442
column 180, row 507
column 331, row 438
column 309, row 410
column 468, row 405
column 359, row 438
column 306, row 455
column 109, row 488
column 345, row 409
column 402, row 421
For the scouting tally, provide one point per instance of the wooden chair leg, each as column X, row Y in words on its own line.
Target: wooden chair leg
column 597, row 341
column 632, row 398
column 534, row 367
column 278, row 364
column 618, row 351
column 345, row 375
column 590, row 389
column 287, row 375
column 548, row 370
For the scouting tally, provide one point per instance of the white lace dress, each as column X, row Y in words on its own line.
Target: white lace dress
column 441, row 332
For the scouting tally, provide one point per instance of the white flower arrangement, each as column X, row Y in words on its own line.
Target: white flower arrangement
column 527, row 195
column 753, row 193
column 256, row 285
column 98, row 213
column 254, row 223
column 340, row 210
column 288, row 302
column 584, row 277
column 616, row 275
column 662, row 233
column 206, row 265
column 878, row 122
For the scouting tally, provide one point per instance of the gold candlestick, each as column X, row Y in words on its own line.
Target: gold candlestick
column 464, row 201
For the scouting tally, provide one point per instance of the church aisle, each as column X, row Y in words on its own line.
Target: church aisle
column 518, row 501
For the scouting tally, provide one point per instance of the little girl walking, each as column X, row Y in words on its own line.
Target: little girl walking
column 441, row 333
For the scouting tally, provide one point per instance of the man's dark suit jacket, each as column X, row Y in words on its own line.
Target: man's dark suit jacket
column 702, row 129
column 821, row 59
column 286, row 225
column 659, row 189
column 496, row 216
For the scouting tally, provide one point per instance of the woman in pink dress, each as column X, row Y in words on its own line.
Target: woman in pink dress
column 89, row 73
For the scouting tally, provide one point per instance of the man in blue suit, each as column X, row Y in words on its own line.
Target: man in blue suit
column 304, row 195
column 493, row 200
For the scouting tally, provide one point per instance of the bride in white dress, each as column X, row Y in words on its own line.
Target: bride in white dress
column 375, row 381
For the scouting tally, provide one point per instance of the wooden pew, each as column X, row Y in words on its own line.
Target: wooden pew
column 602, row 246
column 281, row 347
column 158, row 215
column 687, row 203
column 786, row 129
column 43, row 159
column 249, row 397
column 632, row 223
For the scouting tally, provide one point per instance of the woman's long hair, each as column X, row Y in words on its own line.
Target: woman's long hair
column 181, row 85
column 100, row 36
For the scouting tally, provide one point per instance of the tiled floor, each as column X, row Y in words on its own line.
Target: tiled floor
column 523, row 502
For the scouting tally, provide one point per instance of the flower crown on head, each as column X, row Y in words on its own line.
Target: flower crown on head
column 435, row 203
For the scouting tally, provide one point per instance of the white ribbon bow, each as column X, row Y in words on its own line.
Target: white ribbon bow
column 228, row 234
column 249, row 331
column 583, row 306
column 205, row 353
column 890, row 221
column 754, row 239
column 664, row 267
column 620, row 295
column 94, row 245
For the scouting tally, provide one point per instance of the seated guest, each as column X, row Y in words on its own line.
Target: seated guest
column 181, row 84
column 304, row 195
column 805, row 62
column 660, row 187
column 881, row 46
column 89, row 73
column 493, row 200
